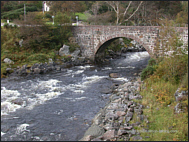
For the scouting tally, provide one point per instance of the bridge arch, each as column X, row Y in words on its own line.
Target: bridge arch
column 104, row 43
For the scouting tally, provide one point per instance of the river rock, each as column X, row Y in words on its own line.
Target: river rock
column 110, row 116
column 75, row 53
column 37, row 70
column 17, row 101
column 64, row 50
column 50, row 61
column 180, row 96
column 128, row 127
column 108, row 126
column 94, row 131
column 86, row 138
column 133, row 131
column 178, row 108
column 121, row 132
column 114, row 75
column 20, row 42
column 136, row 138
column 9, row 70
column 108, row 135
column 97, row 119
column 8, row 61
column 120, row 113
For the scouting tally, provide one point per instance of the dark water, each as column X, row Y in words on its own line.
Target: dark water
column 60, row 105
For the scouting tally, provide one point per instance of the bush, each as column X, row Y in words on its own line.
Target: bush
column 48, row 16
column 151, row 62
column 14, row 14
column 149, row 70
column 173, row 69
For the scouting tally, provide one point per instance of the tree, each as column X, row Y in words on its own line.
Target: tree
column 172, row 55
column 62, row 29
column 120, row 13
column 34, row 31
column 69, row 7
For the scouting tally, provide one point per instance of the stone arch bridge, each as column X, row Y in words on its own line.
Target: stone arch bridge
column 93, row 38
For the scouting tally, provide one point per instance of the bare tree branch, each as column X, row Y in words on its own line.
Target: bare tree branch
column 134, row 11
column 127, row 8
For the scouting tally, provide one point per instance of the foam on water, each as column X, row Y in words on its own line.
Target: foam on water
column 7, row 107
column 76, row 99
column 22, row 128
column 2, row 133
column 137, row 56
column 85, row 67
column 107, row 68
column 50, row 84
column 121, row 79
column 9, row 96
column 51, row 88
column 41, row 98
column 86, row 81
column 71, row 72
column 79, row 72
column 128, row 67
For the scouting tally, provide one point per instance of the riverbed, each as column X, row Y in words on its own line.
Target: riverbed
column 59, row 106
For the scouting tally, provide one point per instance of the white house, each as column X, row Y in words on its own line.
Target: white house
column 45, row 6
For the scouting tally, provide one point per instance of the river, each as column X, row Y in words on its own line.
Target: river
column 60, row 105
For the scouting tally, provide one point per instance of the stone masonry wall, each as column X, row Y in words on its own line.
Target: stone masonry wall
column 90, row 38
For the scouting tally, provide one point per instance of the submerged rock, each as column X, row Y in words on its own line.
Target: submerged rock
column 114, row 75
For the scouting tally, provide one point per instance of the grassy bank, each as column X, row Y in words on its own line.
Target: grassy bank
column 159, row 101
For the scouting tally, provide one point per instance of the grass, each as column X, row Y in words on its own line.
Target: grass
column 82, row 16
column 164, row 124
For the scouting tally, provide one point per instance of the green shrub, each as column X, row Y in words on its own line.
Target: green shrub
column 72, row 47
column 151, row 62
column 48, row 16
column 149, row 70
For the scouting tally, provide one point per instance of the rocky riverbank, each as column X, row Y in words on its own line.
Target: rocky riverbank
column 112, row 123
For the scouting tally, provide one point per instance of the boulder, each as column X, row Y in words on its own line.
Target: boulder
column 121, row 132
column 64, row 50
column 86, row 138
column 108, row 126
column 181, row 96
column 94, row 131
column 20, row 42
column 75, row 53
column 8, row 61
column 179, row 108
column 120, row 113
column 136, row 138
column 37, row 70
column 50, row 61
column 108, row 134
column 114, row 75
